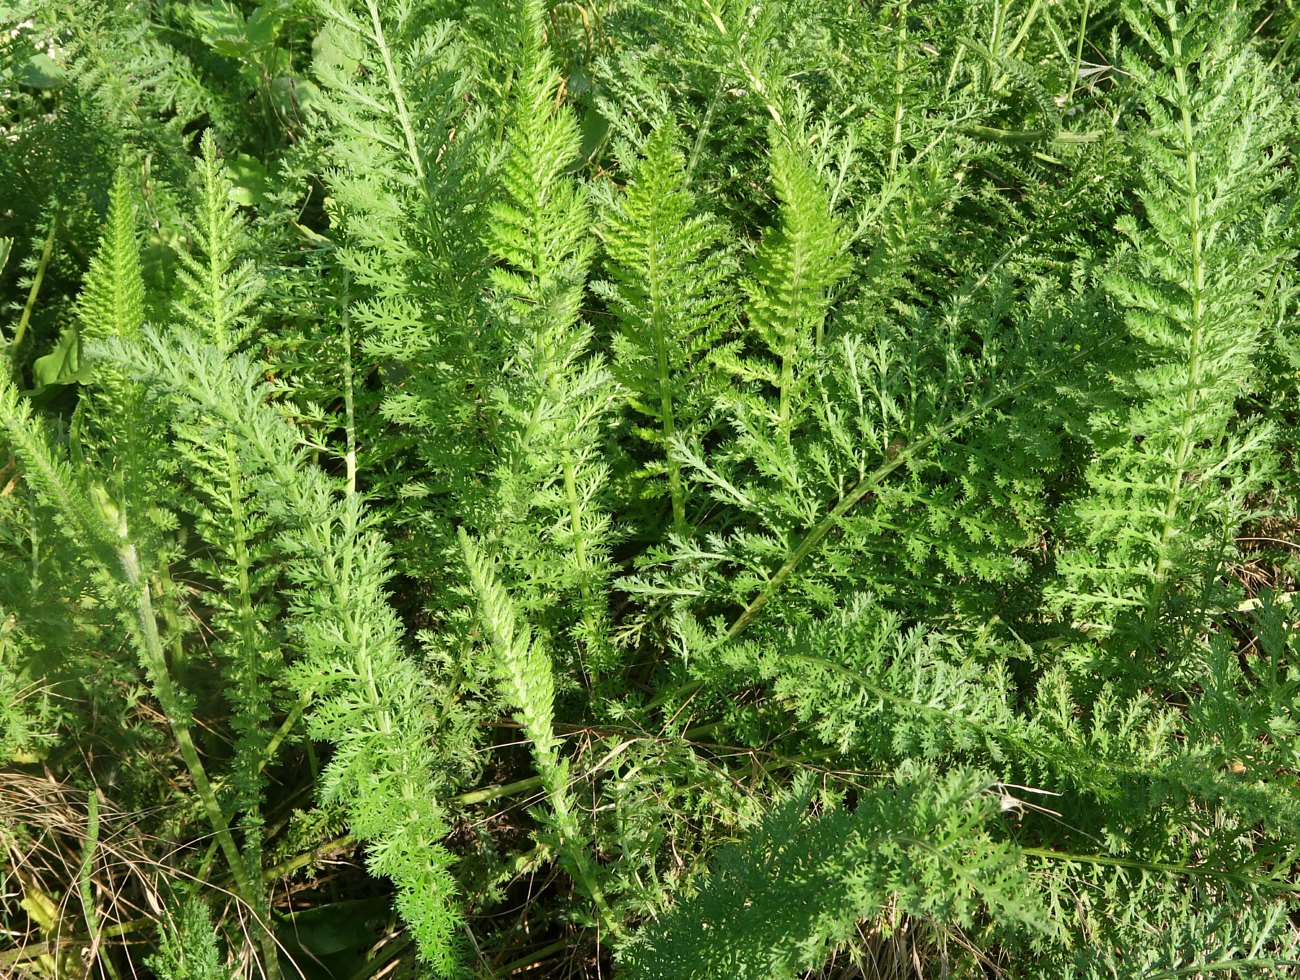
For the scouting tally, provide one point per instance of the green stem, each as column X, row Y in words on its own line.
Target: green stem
column 35, row 951
column 668, row 419
column 290, row 865
column 900, row 65
column 1032, row 135
column 46, row 252
column 85, row 873
column 705, row 129
column 290, row 722
column 995, row 42
column 349, row 408
column 1285, row 46
column 535, row 958
column 787, row 382
column 1026, row 22
column 399, row 100
column 1078, row 54
column 872, row 480
column 573, row 845
column 1185, row 442
column 166, row 590
column 756, row 83
column 489, row 793
column 1162, row 867
column 151, row 648
column 595, row 632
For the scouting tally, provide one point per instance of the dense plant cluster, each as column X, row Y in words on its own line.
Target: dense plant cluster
column 652, row 488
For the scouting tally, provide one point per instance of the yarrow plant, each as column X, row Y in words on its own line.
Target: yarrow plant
column 686, row 489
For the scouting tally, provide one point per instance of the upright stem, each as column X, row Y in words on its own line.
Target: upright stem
column 995, row 42
column 755, row 82
column 580, row 557
column 667, row 415
column 250, row 887
column 46, row 252
column 395, row 86
column 350, row 417
column 900, row 63
column 1078, row 53
column 787, row 382
column 1183, row 448
column 1025, row 23
column 85, row 874
column 253, row 697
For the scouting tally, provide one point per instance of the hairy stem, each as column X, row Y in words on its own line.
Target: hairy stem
column 1184, row 445
column 900, row 64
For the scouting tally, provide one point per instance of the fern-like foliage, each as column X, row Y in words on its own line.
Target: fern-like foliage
column 556, row 396
column 669, row 289
column 417, row 356
column 1218, row 927
column 120, row 423
column 364, row 690
column 528, row 680
column 219, row 286
column 861, row 683
column 774, row 905
column 794, row 270
column 188, row 950
column 140, row 71
column 112, row 301
column 108, row 497
column 566, row 433
column 1175, row 468
column 232, row 543
column 29, row 716
column 886, row 487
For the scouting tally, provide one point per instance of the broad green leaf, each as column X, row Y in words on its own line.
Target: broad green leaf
column 63, row 364
column 41, row 71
